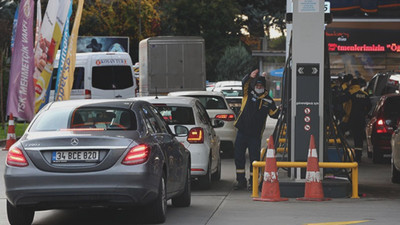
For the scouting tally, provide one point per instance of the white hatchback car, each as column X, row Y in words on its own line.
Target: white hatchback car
column 233, row 96
column 217, row 107
column 228, row 83
column 202, row 141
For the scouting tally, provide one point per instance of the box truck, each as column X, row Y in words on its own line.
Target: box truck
column 171, row 63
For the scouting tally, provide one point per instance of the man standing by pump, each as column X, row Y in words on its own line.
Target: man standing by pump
column 256, row 106
column 360, row 105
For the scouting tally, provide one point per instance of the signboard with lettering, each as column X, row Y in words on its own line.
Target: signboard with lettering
column 359, row 40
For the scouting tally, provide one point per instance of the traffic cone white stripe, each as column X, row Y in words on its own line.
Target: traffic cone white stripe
column 313, row 176
column 270, row 153
column 11, row 135
column 313, row 153
column 270, row 176
column 11, row 123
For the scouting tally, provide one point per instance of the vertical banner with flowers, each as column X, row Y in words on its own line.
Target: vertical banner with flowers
column 49, row 41
column 20, row 97
column 38, row 21
column 67, row 75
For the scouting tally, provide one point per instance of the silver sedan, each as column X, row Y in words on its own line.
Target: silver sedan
column 97, row 153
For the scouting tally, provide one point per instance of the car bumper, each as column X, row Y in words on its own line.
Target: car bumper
column 227, row 132
column 199, row 154
column 110, row 188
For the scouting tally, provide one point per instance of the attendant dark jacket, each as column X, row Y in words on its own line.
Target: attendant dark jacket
column 255, row 110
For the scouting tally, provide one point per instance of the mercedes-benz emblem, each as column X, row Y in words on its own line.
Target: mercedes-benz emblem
column 74, row 141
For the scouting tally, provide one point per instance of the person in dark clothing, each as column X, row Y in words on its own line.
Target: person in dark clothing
column 256, row 106
column 94, row 45
column 346, row 104
column 360, row 105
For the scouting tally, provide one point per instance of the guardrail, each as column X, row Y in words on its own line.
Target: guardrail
column 343, row 165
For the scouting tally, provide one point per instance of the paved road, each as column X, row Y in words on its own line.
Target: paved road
column 223, row 206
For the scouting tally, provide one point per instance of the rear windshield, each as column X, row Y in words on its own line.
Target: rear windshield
column 392, row 108
column 232, row 93
column 79, row 81
column 87, row 118
column 112, row 77
column 212, row 102
column 176, row 114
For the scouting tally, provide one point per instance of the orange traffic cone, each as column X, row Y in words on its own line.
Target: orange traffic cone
column 270, row 189
column 313, row 186
column 11, row 138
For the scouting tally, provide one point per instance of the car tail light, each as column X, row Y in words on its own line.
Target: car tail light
column 196, row 170
column 226, row 117
column 381, row 127
column 15, row 157
column 196, row 135
column 88, row 94
column 137, row 155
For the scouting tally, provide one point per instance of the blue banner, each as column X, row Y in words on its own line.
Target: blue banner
column 14, row 29
column 63, row 52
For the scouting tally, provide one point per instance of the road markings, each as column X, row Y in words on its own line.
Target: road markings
column 338, row 223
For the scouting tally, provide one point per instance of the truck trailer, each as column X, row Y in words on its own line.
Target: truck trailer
column 171, row 63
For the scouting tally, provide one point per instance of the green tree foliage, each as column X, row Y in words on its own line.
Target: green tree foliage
column 7, row 10
column 215, row 20
column 263, row 14
column 235, row 63
column 121, row 18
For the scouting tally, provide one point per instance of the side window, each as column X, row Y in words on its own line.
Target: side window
column 152, row 120
column 147, row 121
column 203, row 114
column 371, row 85
column 160, row 120
column 79, row 81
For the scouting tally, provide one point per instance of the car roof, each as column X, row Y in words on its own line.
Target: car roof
column 176, row 100
column 120, row 103
column 196, row 93
column 228, row 83
column 391, row 95
column 228, row 88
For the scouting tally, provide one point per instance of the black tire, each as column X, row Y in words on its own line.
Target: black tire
column 205, row 180
column 184, row 199
column 395, row 175
column 217, row 175
column 377, row 156
column 156, row 211
column 19, row 216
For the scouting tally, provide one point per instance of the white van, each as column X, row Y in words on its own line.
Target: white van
column 100, row 75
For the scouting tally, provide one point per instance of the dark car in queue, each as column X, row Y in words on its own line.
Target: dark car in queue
column 97, row 153
column 382, row 123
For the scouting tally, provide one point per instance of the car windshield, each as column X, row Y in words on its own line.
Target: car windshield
column 211, row 102
column 87, row 118
column 177, row 114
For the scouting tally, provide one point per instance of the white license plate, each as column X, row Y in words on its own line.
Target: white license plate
column 75, row 156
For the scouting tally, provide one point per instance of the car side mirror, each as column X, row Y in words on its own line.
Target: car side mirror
column 216, row 123
column 181, row 131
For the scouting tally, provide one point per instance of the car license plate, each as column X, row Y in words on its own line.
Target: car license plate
column 75, row 156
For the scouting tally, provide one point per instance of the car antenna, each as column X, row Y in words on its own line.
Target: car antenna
column 156, row 93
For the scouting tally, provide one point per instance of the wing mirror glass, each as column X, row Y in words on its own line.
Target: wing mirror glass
column 181, row 131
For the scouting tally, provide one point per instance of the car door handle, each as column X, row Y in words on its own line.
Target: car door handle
column 118, row 96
